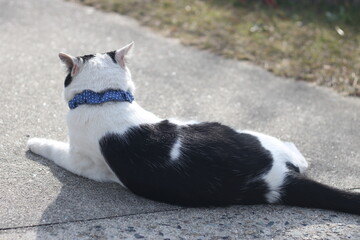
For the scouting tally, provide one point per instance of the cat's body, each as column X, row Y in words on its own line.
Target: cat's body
column 193, row 164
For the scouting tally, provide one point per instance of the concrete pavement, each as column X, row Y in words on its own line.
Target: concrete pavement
column 42, row 201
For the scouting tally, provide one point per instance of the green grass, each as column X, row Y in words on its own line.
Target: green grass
column 296, row 39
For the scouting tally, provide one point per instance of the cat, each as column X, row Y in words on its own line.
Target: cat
column 113, row 139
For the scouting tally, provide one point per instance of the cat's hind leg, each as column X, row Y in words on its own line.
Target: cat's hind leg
column 61, row 154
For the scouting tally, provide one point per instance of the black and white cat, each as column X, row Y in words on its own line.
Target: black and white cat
column 111, row 138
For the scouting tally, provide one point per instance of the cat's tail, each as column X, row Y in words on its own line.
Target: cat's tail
column 303, row 192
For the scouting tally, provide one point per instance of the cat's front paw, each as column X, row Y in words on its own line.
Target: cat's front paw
column 37, row 145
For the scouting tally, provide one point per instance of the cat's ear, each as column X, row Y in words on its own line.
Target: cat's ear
column 72, row 63
column 122, row 53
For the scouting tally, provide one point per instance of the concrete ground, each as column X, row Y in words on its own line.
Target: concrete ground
column 42, row 201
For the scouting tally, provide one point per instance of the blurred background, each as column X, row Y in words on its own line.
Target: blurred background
column 311, row 40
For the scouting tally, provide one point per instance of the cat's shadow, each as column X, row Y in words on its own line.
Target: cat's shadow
column 82, row 199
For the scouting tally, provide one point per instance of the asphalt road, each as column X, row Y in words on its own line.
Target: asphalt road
column 42, row 201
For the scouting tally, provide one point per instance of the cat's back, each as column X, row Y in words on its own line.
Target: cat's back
column 205, row 136
column 184, row 160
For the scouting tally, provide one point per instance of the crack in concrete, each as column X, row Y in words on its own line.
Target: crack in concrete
column 92, row 219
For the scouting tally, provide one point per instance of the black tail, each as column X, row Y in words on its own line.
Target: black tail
column 303, row 192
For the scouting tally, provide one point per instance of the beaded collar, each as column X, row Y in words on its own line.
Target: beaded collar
column 93, row 98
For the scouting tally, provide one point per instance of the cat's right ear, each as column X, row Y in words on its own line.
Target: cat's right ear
column 72, row 63
column 123, row 53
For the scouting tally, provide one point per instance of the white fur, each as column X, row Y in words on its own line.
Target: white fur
column 99, row 74
column 72, row 160
column 176, row 150
column 281, row 152
column 87, row 124
column 182, row 123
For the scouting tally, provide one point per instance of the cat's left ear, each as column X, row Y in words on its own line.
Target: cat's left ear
column 122, row 53
column 72, row 63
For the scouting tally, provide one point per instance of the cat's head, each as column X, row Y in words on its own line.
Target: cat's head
column 97, row 72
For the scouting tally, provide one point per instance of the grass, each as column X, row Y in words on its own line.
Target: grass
column 316, row 42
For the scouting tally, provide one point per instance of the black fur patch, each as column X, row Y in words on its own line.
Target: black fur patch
column 86, row 58
column 68, row 80
column 292, row 167
column 217, row 165
column 112, row 55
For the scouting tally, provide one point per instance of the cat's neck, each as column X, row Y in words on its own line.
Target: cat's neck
column 112, row 114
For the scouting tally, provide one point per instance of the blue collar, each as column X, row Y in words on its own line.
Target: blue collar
column 91, row 97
